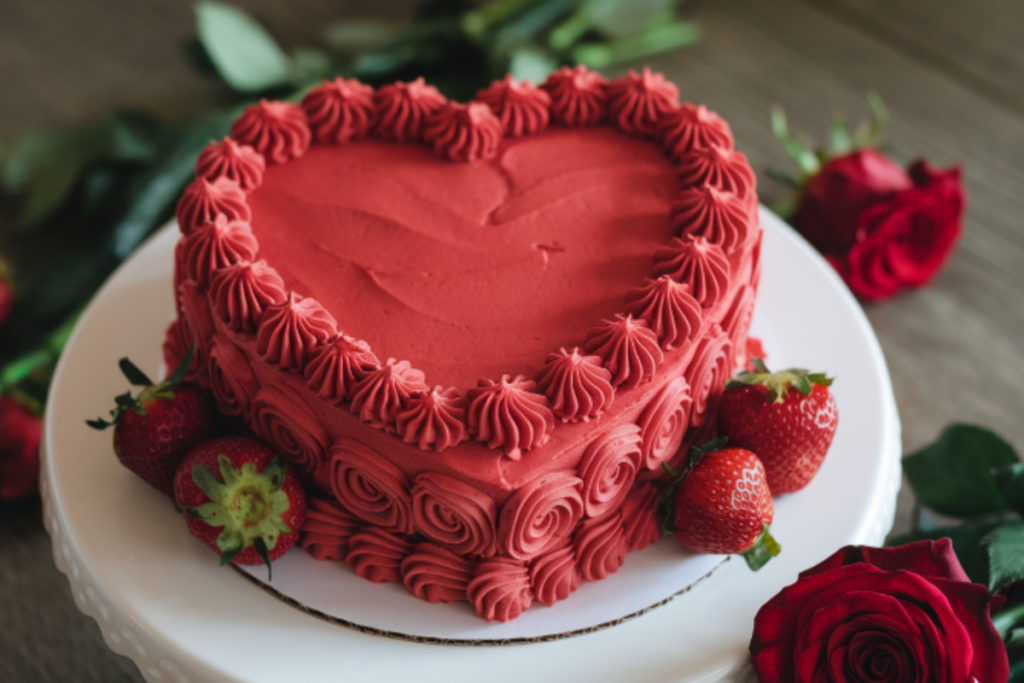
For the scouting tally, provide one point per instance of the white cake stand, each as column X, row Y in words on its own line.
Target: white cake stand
column 160, row 600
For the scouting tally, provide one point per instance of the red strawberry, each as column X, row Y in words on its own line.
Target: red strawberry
column 240, row 499
column 721, row 504
column 156, row 429
column 789, row 430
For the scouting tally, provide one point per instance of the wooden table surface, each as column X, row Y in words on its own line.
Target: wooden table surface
column 950, row 74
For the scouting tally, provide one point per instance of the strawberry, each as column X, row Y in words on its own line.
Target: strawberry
column 156, row 429
column 240, row 499
column 789, row 430
column 721, row 504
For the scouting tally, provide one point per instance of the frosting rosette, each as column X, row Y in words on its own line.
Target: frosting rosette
column 435, row 574
column 284, row 420
column 500, row 589
column 464, row 132
column 216, row 245
column 327, row 529
column 720, row 168
column 289, row 332
column 640, row 526
column 540, row 515
column 686, row 128
column 231, row 378
column 523, row 108
column 455, row 514
column 663, row 423
column 403, row 108
column 608, row 468
column 198, row 327
column 377, row 555
column 203, row 200
column 711, row 366
column 628, row 348
column 507, row 414
column 385, row 391
column 228, row 159
column 555, row 576
column 339, row 110
column 333, row 370
column 698, row 264
column 637, row 101
column 718, row 216
column 578, row 97
column 277, row 130
column 174, row 347
column 433, row 420
column 370, row 487
column 600, row 547
column 577, row 386
column 670, row 309
column 241, row 293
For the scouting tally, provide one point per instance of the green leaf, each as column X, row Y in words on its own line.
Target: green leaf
column 621, row 18
column 967, row 544
column 182, row 369
column 955, row 475
column 229, row 474
column 806, row 160
column 1015, row 652
column 133, row 374
column 261, row 549
column 99, row 423
column 530, row 63
column 213, row 514
column 650, row 42
column 763, row 550
column 207, row 481
column 275, row 471
column 355, row 36
column 1005, row 554
column 839, row 138
column 1010, row 481
column 245, row 55
column 529, row 24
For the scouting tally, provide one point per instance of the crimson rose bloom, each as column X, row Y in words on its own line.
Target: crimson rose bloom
column 19, row 450
column 892, row 615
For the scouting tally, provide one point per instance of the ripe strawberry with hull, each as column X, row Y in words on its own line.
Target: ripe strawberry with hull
column 787, row 418
column 240, row 499
column 156, row 429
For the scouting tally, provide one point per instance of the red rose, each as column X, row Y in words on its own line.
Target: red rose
column 19, row 450
column 895, row 615
column 840, row 192
column 903, row 242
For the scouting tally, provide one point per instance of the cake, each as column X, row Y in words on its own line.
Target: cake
column 477, row 331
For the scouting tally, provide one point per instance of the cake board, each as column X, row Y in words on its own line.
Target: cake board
column 160, row 600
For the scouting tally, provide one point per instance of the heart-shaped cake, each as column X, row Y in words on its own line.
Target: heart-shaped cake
column 476, row 330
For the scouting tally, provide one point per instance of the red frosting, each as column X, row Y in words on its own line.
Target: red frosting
column 327, row 529
column 380, row 395
column 524, row 109
column 600, row 547
column 673, row 314
column 454, row 514
column 664, row 421
column 736, row 324
column 640, row 517
column 507, row 414
column 369, row 486
column 540, row 515
column 637, row 101
column 339, row 110
column 711, row 366
column 403, row 108
column 720, row 168
column 290, row 331
column 686, row 128
column 217, row 245
column 242, row 293
column 578, row 97
column 698, row 264
column 464, row 132
column 198, row 328
column 174, row 347
column 628, row 347
column 377, row 555
column 333, row 370
column 434, row 420
column 286, row 422
column 277, row 130
column 203, row 200
column 500, row 589
column 576, row 385
column 555, row 576
column 719, row 217
column 608, row 468
column 435, row 574
column 231, row 378
column 228, row 159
